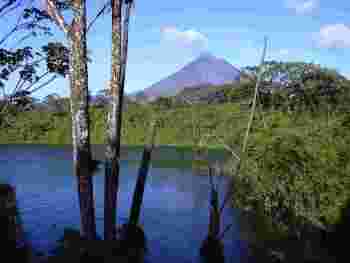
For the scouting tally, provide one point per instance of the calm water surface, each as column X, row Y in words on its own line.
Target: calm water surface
column 175, row 207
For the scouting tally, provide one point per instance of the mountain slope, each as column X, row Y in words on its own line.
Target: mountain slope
column 205, row 70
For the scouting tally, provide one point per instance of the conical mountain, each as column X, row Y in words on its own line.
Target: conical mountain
column 205, row 70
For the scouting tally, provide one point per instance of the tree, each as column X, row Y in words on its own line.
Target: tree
column 118, row 68
column 78, row 77
column 24, row 63
column 163, row 102
column 54, row 103
column 113, row 126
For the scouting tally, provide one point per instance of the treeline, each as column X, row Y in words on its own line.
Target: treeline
column 285, row 86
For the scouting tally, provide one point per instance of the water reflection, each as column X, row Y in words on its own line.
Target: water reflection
column 175, row 208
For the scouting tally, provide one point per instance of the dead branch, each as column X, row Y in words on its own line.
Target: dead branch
column 245, row 142
column 57, row 16
column 100, row 13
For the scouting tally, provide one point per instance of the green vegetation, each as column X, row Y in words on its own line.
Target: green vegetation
column 176, row 125
column 295, row 172
column 297, row 169
column 297, row 164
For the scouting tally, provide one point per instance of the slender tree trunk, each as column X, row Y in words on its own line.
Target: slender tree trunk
column 125, row 41
column 113, row 127
column 80, row 120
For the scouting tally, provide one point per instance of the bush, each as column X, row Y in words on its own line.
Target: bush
column 296, row 171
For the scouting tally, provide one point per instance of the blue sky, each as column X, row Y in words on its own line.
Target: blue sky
column 165, row 35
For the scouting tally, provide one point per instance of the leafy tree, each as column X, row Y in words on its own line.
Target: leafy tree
column 297, row 84
column 54, row 103
column 25, row 63
column 163, row 102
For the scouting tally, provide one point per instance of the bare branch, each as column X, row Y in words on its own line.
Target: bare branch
column 18, row 24
column 56, row 16
column 8, row 35
column 245, row 142
column 3, row 8
column 103, row 9
column 255, row 97
column 227, row 228
column 44, row 84
column 35, row 82
column 20, row 80
column 228, row 148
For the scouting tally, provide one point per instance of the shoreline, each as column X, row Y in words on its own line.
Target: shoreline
column 184, row 146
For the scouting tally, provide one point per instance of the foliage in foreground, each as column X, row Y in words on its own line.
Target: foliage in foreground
column 296, row 171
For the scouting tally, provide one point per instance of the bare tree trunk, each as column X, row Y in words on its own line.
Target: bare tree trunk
column 113, row 127
column 125, row 42
column 80, row 120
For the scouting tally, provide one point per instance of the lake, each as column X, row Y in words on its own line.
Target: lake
column 175, row 210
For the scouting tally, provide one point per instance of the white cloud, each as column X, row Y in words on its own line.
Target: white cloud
column 334, row 36
column 187, row 38
column 283, row 52
column 302, row 7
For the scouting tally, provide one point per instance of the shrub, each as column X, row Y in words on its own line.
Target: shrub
column 296, row 171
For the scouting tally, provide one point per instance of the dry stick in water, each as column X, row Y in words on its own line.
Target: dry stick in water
column 142, row 176
column 214, row 217
column 245, row 142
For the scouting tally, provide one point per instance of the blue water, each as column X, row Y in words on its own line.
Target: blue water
column 175, row 207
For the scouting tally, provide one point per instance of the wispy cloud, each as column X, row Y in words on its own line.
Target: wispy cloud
column 279, row 54
column 302, row 7
column 188, row 38
column 334, row 36
column 283, row 52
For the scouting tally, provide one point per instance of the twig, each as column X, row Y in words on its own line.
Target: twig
column 6, row 5
column 229, row 193
column 228, row 148
column 261, row 111
column 245, row 142
column 42, row 76
column 56, row 16
column 18, row 25
column 8, row 35
column 227, row 228
column 44, row 84
column 98, row 15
